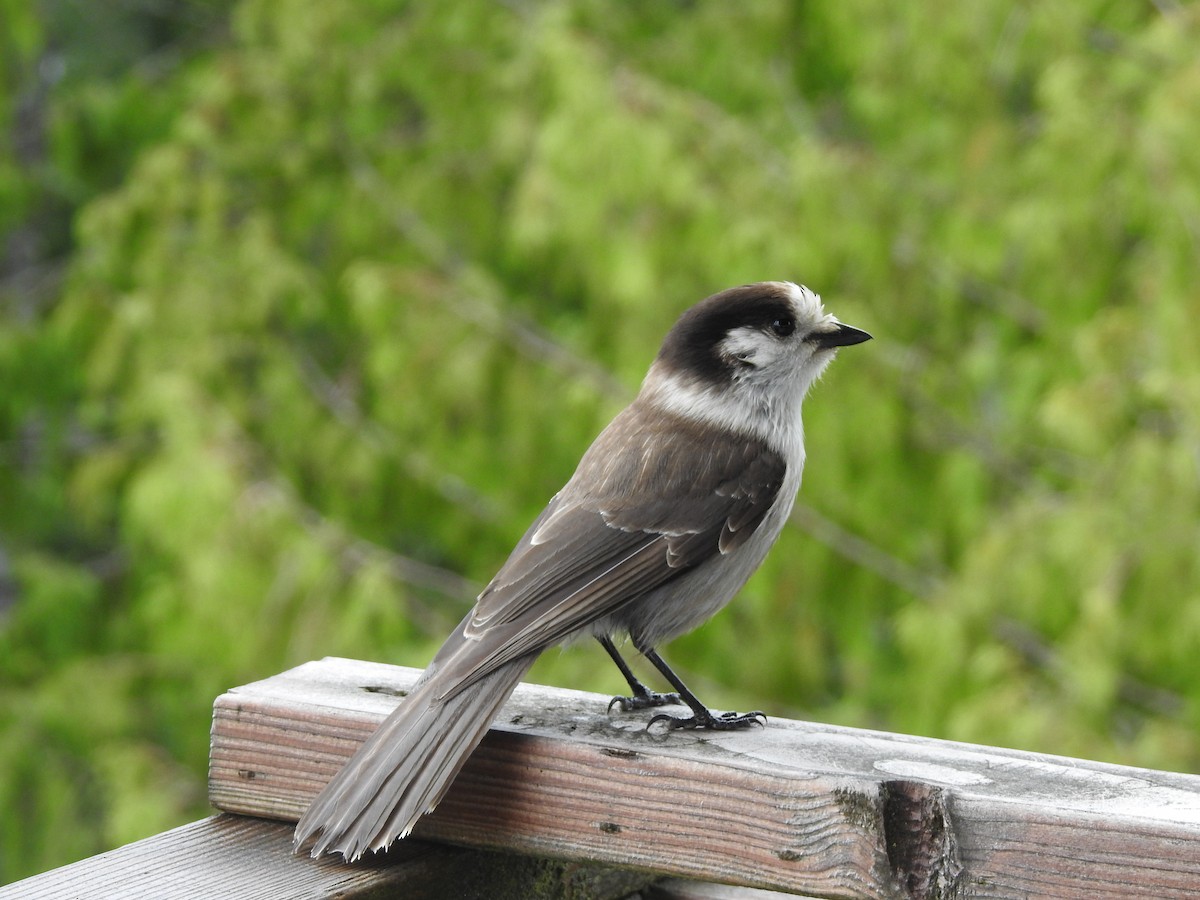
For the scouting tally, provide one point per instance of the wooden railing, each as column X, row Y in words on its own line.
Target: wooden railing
column 562, row 794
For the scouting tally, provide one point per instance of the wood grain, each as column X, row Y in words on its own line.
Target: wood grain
column 231, row 857
column 832, row 812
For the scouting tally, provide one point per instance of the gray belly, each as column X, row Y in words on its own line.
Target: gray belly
column 693, row 598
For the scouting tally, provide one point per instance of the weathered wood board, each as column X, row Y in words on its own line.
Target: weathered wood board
column 800, row 807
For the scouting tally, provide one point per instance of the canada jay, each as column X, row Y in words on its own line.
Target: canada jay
column 671, row 509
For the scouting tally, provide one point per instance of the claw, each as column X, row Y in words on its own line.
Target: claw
column 730, row 721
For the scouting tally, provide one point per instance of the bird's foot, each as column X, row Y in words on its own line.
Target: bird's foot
column 643, row 699
column 730, row 721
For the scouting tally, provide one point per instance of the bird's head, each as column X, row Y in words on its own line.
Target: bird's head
column 744, row 359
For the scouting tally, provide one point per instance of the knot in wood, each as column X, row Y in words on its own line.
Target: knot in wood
column 922, row 847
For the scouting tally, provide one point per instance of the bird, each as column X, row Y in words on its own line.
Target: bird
column 670, row 510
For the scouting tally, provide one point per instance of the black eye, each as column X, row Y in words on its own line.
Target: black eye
column 783, row 326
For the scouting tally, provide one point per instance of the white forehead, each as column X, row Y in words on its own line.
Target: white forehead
column 806, row 303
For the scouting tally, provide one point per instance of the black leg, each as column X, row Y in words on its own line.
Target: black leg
column 701, row 716
column 643, row 697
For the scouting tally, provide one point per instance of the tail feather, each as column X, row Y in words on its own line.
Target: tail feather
column 405, row 767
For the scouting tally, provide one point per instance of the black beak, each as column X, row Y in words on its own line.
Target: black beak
column 841, row 336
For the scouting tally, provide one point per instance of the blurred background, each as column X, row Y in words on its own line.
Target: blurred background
column 307, row 308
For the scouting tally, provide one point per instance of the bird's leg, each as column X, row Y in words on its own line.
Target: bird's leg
column 702, row 716
column 643, row 697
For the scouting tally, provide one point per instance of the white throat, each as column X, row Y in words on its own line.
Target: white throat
column 771, row 417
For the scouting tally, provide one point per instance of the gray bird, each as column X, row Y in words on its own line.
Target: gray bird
column 671, row 509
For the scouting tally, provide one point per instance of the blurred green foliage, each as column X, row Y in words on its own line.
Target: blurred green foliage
column 309, row 307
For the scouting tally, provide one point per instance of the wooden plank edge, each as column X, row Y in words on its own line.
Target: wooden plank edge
column 231, row 857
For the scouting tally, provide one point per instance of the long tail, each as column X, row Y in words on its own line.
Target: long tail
column 406, row 766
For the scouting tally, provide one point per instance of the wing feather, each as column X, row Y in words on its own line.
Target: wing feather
column 652, row 498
